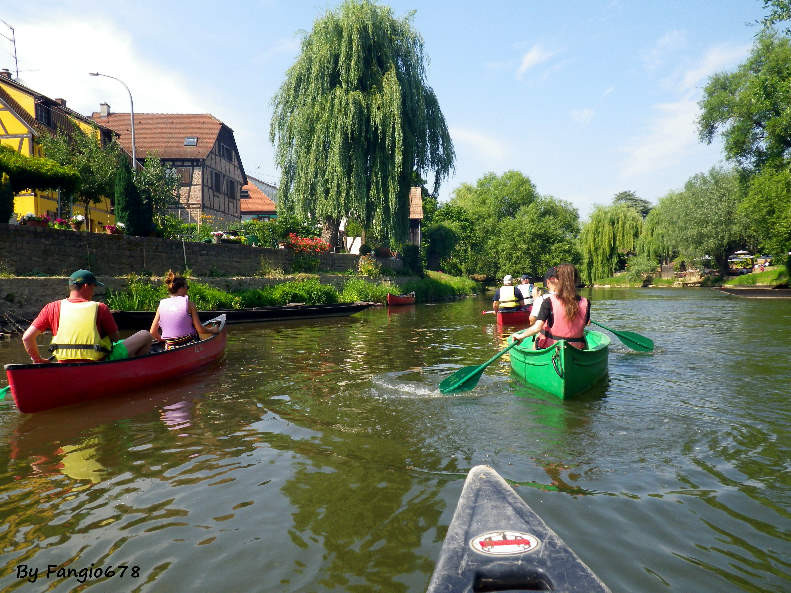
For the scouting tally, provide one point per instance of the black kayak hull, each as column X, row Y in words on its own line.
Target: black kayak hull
column 143, row 319
column 496, row 542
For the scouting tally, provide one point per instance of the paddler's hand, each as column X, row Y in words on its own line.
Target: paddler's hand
column 518, row 337
column 37, row 360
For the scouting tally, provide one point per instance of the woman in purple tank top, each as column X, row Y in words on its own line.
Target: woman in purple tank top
column 176, row 321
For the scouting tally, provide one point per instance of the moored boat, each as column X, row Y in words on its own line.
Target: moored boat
column 401, row 299
column 138, row 319
column 496, row 542
column 562, row 369
column 37, row 387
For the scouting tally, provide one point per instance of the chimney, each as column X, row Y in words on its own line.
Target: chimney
column 5, row 73
column 104, row 109
column 61, row 102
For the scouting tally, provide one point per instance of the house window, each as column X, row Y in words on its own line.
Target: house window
column 43, row 114
column 185, row 174
column 231, row 186
column 191, row 141
column 217, row 182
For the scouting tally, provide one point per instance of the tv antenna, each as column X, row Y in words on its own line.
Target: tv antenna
column 12, row 39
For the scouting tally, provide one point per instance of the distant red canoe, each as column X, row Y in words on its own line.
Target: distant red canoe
column 38, row 387
column 401, row 299
column 518, row 317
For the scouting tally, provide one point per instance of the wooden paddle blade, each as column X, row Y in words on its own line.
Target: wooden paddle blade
column 465, row 379
column 635, row 341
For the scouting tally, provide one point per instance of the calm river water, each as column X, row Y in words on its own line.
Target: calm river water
column 320, row 456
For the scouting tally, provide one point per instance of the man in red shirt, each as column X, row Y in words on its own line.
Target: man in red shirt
column 82, row 285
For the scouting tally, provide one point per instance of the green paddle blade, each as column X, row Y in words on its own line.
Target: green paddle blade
column 4, row 390
column 635, row 341
column 631, row 339
column 465, row 379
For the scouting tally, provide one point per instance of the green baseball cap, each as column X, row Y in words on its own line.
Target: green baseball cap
column 83, row 277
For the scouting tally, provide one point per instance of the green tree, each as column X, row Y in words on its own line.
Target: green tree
column 631, row 199
column 767, row 208
column 713, row 223
column 95, row 164
column 129, row 208
column 158, row 186
column 779, row 12
column 607, row 239
column 749, row 107
column 355, row 118
column 541, row 234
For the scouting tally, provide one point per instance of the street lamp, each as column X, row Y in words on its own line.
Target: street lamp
column 131, row 111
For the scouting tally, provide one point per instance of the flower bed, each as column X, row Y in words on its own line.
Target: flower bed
column 306, row 244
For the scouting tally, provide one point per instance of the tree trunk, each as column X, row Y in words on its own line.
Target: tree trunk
column 329, row 232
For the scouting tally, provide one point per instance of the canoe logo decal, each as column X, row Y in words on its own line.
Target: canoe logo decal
column 504, row 543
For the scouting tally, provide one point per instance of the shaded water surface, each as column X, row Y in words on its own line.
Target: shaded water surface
column 319, row 456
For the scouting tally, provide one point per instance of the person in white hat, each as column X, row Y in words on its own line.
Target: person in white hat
column 507, row 296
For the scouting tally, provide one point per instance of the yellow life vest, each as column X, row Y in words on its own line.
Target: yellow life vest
column 77, row 328
column 508, row 298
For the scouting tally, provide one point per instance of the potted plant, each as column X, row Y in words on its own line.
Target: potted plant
column 31, row 219
column 216, row 236
column 114, row 229
column 76, row 222
column 61, row 224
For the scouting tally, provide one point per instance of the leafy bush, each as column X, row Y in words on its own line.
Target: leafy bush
column 640, row 267
column 368, row 266
column 208, row 298
column 260, row 297
column 365, row 249
column 139, row 295
column 310, row 292
column 437, row 286
column 358, row 289
column 411, row 258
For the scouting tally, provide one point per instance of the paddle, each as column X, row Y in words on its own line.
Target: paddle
column 3, row 391
column 466, row 378
column 487, row 312
column 630, row 339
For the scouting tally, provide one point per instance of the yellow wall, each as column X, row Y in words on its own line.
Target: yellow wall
column 45, row 203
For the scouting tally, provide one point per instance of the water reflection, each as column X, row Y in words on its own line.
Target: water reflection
column 321, row 457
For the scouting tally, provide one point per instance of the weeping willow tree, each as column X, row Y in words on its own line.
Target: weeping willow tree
column 610, row 234
column 354, row 119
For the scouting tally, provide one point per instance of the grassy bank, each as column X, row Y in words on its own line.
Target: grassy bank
column 141, row 294
column 772, row 276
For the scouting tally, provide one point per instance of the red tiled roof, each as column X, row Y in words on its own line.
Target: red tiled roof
column 415, row 204
column 164, row 133
column 257, row 203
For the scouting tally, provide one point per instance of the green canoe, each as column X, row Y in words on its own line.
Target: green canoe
column 562, row 369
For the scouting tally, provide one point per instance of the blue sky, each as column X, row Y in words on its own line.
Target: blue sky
column 587, row 98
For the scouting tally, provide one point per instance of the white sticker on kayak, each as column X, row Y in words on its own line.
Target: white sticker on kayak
column 504, row 543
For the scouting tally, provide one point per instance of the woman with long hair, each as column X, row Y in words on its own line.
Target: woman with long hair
column 563, row 314
column 176, row 321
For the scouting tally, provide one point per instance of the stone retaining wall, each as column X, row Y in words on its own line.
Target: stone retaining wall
column 31, row 251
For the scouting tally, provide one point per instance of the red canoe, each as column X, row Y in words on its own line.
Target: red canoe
column 401, row 299
column 519, row 317
column 38, row 387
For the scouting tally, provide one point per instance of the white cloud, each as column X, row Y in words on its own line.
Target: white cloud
column 485, row 148
column 671, row 135
column 716, row 58
column 59, row 55
column 534, row 56
column 669, row 43
column 582, row 116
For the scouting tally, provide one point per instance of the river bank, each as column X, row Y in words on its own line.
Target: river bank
column 21, row 298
